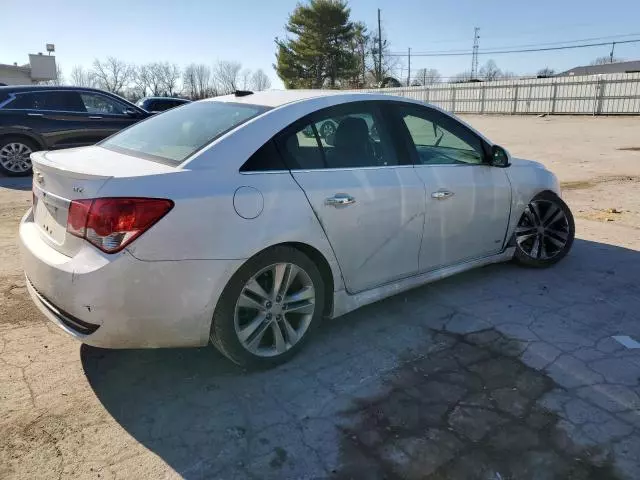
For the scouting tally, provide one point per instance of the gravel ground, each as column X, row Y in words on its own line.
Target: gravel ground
column 501, row 372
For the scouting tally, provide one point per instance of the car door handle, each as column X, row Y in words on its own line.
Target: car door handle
column 95, row 117
column 340, row 200
column 442, row 194
column 36, row 114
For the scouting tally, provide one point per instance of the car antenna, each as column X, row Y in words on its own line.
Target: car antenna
column 242, row 93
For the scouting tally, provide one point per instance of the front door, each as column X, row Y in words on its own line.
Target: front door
column 370, row 206
column 105, row 115
column 467, row 200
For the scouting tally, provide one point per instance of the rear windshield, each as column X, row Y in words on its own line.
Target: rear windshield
column 174, row 135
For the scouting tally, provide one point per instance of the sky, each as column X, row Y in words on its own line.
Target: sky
column 141, row 31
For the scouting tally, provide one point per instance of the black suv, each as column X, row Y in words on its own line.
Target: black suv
column 160, row 104
column 36, row 118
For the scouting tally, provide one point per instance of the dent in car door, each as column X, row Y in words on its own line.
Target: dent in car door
column 467, row 201
column 373, row 219
column 467, row 213
column 372, row 214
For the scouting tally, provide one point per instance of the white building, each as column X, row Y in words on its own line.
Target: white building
column 40, row 68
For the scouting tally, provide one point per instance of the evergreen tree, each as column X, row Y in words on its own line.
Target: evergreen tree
column 321, row 54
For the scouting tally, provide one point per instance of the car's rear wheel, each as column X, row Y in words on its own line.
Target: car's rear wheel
column 545, row 232
column 15, row 154
column 269, row 309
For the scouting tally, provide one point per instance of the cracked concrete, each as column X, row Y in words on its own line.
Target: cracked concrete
column 464, row 371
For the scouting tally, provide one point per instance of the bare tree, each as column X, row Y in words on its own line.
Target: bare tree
column 381, row 70
column 196, row 81
column 546, row 72
column 141, row 80
column 112, row 74
column 245, row 79
column 260, row 81
column 82, row 78
column 508, row 75
column 227, row 76
column 189, row 84
column 169, row 74
column 605, row 60
column 427, row 76
column 490, row 71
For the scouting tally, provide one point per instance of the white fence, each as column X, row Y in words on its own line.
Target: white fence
column 610, row 94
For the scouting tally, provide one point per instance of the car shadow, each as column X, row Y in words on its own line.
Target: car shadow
column 201, row 414
column 15, row 183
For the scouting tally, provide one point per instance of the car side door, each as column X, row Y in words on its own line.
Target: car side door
column 467, row 200
column 369, row 204
column 56, row 116
column 107, row 115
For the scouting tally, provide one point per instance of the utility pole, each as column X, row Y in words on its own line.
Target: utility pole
column 409, row 73
column 613, row 47
column 474, row 56
column 379, row 50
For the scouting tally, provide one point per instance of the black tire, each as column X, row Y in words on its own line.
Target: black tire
column 223, row 332
column 4, row 141
column 522, row 257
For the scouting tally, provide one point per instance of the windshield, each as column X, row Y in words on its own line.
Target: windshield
column 176, row 134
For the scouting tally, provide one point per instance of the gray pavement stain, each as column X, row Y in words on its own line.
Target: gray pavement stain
column 470, row 409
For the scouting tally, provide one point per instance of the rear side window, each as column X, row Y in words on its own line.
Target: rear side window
column 178, row 133
column 347, row 136
column 267, row 158
column 67, row 101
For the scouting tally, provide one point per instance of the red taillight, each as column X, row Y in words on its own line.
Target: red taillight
column 112, row 223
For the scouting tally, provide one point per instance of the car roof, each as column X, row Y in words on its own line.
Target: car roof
column 35, row 88
column 276, row 98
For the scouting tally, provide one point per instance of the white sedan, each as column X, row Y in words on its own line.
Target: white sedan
column 235, row 221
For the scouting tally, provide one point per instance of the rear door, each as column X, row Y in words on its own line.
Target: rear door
column 58, row 116
column 105, row 115
column 369, row 204
column 467, row 201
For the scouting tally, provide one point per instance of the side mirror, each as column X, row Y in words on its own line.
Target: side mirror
column 130, row 112
column 500, row 157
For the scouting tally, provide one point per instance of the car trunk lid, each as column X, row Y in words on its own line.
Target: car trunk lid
column 79, row 173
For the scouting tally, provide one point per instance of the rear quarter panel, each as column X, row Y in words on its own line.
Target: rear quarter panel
column 204, row 223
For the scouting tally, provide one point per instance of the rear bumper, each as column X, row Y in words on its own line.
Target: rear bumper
column 118, row 301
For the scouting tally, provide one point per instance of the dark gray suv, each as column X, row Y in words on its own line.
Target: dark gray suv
column 36, row 118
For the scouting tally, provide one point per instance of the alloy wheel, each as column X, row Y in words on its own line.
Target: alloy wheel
column 543, row 230
column 14, row 157
column 275, row 309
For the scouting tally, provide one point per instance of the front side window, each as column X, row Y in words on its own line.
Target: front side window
column 99, row 104
column 178, row 133
column 440, row 140
column 350, row 136
column 66, row 101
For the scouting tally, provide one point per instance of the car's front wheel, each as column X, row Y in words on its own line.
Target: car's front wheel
column 269, row 309
column 545, row 232
column 15, row 157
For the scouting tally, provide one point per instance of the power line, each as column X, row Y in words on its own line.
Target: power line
column 463, row 50
column 498, row 52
